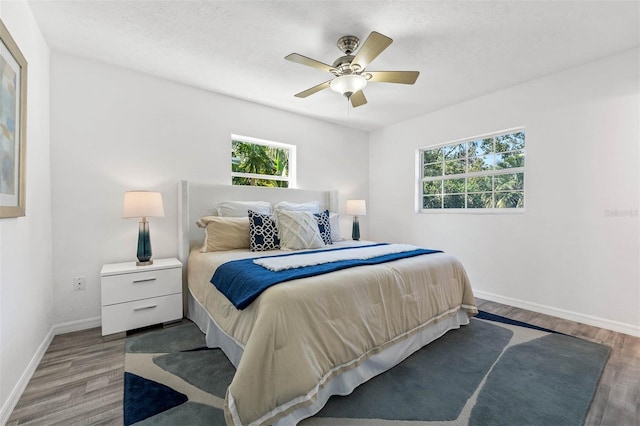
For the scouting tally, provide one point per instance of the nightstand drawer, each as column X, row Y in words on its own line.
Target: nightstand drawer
column 140, row 285
column 141, row 313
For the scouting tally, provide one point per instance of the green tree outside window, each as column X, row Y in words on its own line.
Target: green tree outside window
column 259, row 164
column 477, row 173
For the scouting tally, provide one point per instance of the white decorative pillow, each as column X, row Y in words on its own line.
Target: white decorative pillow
column 311, row 206
column 298, row 230
column 334, row 221
column 240, row 208
column 224, row 233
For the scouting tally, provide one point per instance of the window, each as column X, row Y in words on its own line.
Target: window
column 483, row 173
column 259, row 162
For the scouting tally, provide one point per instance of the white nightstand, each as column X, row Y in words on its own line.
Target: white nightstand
column 137, row 296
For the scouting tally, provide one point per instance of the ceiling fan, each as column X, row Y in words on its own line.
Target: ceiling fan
column 350, row 71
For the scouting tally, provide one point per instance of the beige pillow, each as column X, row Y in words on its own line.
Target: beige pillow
column 224, row 233
column 298, row 230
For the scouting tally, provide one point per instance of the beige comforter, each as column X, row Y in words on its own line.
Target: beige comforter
column 300, row 334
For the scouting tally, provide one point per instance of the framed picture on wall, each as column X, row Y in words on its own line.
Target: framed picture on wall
column 13, row 126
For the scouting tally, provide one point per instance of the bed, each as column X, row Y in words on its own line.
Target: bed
column 304, row 340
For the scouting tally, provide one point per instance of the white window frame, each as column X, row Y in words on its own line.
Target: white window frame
column 291, row 179
column 419, row 167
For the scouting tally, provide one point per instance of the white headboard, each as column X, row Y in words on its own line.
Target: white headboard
column 196, row 199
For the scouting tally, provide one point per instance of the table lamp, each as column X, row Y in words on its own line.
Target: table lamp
column 143, row 204
column 356, row 208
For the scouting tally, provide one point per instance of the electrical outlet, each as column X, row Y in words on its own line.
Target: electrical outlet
column 79, row 283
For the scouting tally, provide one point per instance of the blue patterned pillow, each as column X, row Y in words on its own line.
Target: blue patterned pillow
column 263, row 234
column 324, row 226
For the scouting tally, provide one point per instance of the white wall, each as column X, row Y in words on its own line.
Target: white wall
column 114, row 130
column 26, row 290
column 568, row 255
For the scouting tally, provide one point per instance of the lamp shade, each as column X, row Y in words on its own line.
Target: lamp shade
column 142, row 204
column 357, row 207
column 348, row 84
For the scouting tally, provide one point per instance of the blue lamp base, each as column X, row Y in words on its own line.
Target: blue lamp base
column 144, row 245
column 355, row 230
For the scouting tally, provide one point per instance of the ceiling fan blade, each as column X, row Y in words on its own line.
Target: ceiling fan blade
column 313, row 90
column 402, row 77
column 358, row 99
column 371, row 48
column 295, row 57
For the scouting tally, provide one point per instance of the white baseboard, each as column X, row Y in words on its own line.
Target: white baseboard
column 18, row 389
column 16, row 393
column 620, row 327
column 71, row 326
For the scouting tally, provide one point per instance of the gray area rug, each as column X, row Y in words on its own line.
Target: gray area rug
column 486, row 373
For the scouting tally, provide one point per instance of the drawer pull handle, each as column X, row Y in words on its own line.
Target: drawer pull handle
column 144, row 281
column 142, row 308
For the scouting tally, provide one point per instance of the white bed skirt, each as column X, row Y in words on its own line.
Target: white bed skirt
column 346, row 382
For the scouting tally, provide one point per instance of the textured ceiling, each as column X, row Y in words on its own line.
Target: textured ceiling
column 463, row 49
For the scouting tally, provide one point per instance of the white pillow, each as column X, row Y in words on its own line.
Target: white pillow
column 241, row 208
column 311, row 206
column 334, row 223
column 298, row 230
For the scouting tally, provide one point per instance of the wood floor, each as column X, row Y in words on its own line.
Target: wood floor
column 80, row 378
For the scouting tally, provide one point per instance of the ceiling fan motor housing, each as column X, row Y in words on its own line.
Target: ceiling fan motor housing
column 342, row 65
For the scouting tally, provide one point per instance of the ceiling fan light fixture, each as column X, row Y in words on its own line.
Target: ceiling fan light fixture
column 348, row 84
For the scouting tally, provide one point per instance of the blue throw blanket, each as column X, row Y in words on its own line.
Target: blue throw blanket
column 242, row 281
